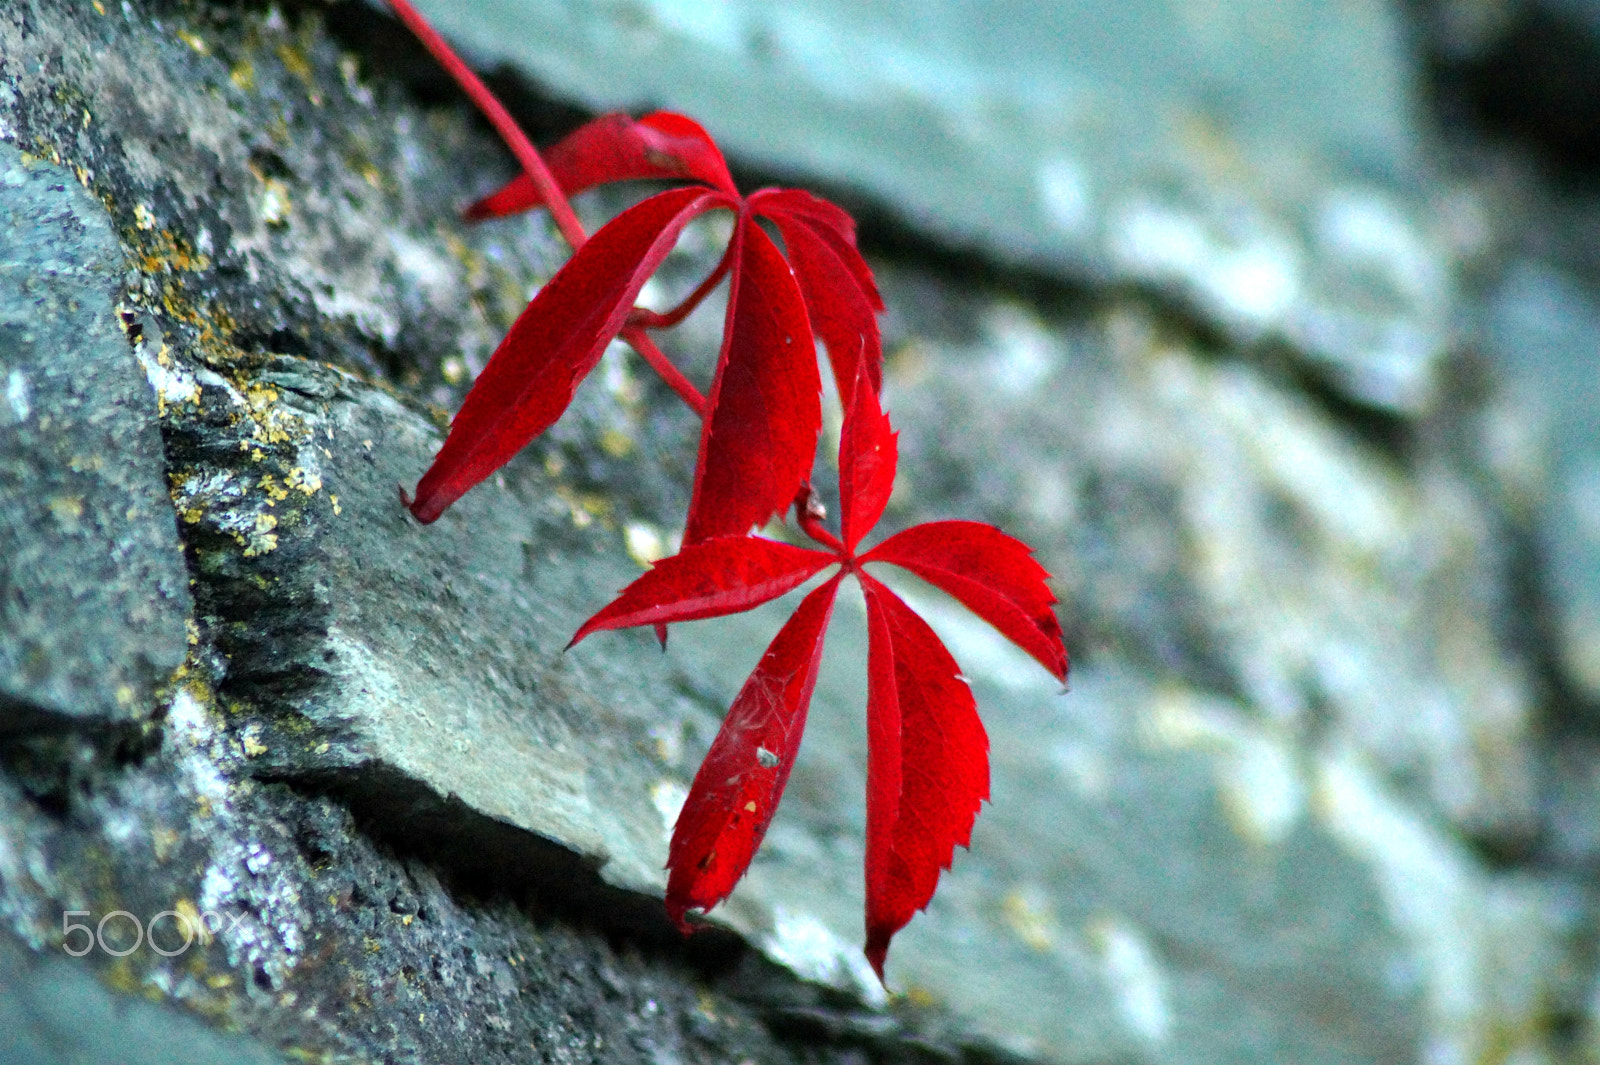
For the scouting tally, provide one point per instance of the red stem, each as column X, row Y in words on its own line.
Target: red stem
column 808, row 513
column 521, row 147
column 641, row 342
column 642, row 316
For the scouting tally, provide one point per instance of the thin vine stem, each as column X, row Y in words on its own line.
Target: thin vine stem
column 526, row 154
column 809, row 513
column 640, row 341
column 648, row 319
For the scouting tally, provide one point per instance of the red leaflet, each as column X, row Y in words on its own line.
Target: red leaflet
column 614, row 147
column 994, row 575
column 868, row 456
column 927, row 765
column 531, row 377
column 709, row 579
column 760, row 434
column 734, row 794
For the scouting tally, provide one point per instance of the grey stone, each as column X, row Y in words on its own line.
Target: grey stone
column 1104, row 877
column 1542, row 328
column 1214, row 524
column 430, row 656
column 54, row 1012
column 93, row 590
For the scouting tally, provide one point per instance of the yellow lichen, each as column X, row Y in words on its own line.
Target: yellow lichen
column 261, row 539
column 276, row 492
column 295, row 62
column 585, row 507
column 304, row 481
column 253, row 747
column 191, row 916
column 164, row 841
column 165, row 252
column 67, row 509
column 1030, row 920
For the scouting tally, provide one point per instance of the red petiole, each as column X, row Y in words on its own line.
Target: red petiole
column 648, row 319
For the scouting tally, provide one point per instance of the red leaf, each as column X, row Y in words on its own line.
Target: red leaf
column 764, row 410
column 868, row 456
column 739, row 784
column 994, row 575
column 713, row 577
column 840, row 295
column 554, row 343
column 927, row 765
column 614, row 147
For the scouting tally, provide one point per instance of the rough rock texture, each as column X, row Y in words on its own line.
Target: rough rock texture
column 94, row 612
column 1292, row 394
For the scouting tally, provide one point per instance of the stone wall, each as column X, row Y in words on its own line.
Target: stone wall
column 1244, row 316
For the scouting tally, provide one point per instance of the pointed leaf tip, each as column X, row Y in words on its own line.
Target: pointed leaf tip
column 877, row 950
column 868, row 458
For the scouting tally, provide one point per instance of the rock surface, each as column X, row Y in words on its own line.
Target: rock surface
column 1258, row 369
column 94, row 611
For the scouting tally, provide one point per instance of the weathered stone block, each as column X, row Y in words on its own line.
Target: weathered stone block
column 93, row 591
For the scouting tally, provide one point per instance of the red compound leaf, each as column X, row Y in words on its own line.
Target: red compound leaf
column 927, row 765
column 840, row 295
column 720, row 576
column 994, row 575
column 553, row 345
column 739, row 784
column 615, row 147
column 764, row 409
